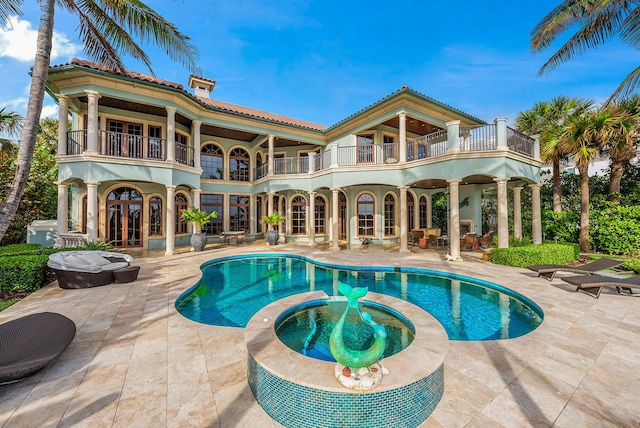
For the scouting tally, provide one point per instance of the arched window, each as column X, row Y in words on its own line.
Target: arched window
column 422, row 213
column 181, row 203
column 321, row 215
column 212, row 162
column 239, row 213
column 239, row 165
column 366, row 211
column 298, row 215
column 410, row 211
column 389, row 215
column 155, row 216
column 124, row 217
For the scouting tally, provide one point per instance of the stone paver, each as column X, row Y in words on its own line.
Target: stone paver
column 136, row 362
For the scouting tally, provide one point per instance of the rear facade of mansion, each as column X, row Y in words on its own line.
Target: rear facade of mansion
column 135, row 150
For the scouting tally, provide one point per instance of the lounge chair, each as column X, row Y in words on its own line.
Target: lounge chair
column 486, row 240
column 549, row 271
column 29, row 343
column 469, row 242
column 593, row 284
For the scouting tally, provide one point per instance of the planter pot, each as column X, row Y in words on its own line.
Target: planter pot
column 272, row 237
column 199, row 241
column 423, row 243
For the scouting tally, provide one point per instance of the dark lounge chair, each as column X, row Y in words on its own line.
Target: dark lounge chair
column 29, row 343
column 549, row 271
column 593, row 284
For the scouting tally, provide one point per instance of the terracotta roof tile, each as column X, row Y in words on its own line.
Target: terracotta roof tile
column 130, row 74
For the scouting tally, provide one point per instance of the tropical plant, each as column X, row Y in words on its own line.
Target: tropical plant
column 273, row 219
column 199, row 217
column 597, row 22
column 542, row 119
column 583, row 135
column 107, row 30
column 624, row 148
column 10, row 126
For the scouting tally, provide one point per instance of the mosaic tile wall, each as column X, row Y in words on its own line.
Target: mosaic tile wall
column 295, row 405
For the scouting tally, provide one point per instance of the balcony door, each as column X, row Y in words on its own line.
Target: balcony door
column 124, row 217
column 124, row 139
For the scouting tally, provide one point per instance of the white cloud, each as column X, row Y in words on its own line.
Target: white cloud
column 50, row 111
column 18, row 41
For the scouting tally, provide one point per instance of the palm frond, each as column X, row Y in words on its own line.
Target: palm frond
column 630, row 29
column 561, row 18
column 628, row 85
column 10, row 123
column 9, row 8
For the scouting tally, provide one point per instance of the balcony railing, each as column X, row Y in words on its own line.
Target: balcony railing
column 260, row 171
column 519, row 142
column 184, row 154
column 478, row 138
column 434, row 144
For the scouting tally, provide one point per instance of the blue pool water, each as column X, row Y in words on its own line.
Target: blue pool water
column 233, row 289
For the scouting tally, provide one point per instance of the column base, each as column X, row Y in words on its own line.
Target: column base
column 169, row 253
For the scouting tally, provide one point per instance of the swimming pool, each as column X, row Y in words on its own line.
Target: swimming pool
column 233, row 289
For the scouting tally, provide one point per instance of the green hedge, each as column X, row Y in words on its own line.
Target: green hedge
column 535, row 254
column 20, row 249
column 633, row 264
column 24, row 272
column 616, row 230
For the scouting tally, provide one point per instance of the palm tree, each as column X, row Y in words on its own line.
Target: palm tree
column 598, row 21
column 10, row 126
column 621, row 150
column 542, row 119
column 106, row 29
column 583, row 135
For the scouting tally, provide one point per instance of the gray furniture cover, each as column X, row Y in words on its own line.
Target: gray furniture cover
column 29, row 343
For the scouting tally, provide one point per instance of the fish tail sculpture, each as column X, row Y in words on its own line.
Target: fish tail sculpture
column 350, row 357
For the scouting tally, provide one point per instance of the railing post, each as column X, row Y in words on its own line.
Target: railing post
column 501, row 133
column 402, row 130
column 453, row 136
column 312, row 162
column 63, row 121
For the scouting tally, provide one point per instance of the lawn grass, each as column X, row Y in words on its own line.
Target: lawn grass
column 4, row 304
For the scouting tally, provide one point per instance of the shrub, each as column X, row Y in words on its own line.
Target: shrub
column 98, row 245
column 563, row 224
column 535, row 254
column 23, row 272
column 20, row 249
column 616, row 229
column 633, row 264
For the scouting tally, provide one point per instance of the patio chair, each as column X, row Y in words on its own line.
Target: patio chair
column 434, row 241
column 593, row 284
column 469, row 242
column 415, row 235
column 29, row 343
column 486, row 240
column 549, row 271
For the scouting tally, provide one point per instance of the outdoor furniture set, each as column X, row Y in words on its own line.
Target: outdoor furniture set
column 83, row 269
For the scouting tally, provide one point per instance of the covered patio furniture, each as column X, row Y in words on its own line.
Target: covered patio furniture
column 83, row 269
column 593, row 284
column 549, row 270
column 29, row 343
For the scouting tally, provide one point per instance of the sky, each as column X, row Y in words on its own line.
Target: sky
column 321, row 61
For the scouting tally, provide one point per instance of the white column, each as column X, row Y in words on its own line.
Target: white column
column 402, row 130
column 195, row 127
column 63, row 208
column 454, row 218
column 501, row 133
column 536, row 215
column 92, row 211
column 311, row 215
column 170, row 221
column 517, row 213
column 171, row 134
column 270, row 203
column 453, row 136
column 63, row 123
column 312, row 162
column 92, row 119
column 195, row 203
column 335, row 231
column 270, row 155
column 503, row 219
column 404, row 226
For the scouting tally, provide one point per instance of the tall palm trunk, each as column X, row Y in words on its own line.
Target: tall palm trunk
column 557, row 187
column 584, row 207
column 40, row 73
column 618, row 165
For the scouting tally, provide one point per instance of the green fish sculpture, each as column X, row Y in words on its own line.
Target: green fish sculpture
column 350, row 357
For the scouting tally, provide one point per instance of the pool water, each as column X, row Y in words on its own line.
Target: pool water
column 233, row 289
column 306, row 328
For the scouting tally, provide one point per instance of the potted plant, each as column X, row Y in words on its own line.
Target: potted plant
column 271, row 220
column 200, row 219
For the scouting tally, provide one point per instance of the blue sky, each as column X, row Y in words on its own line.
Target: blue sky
column 321, row 61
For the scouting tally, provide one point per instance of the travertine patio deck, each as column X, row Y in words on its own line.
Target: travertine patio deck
column 135, row 362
